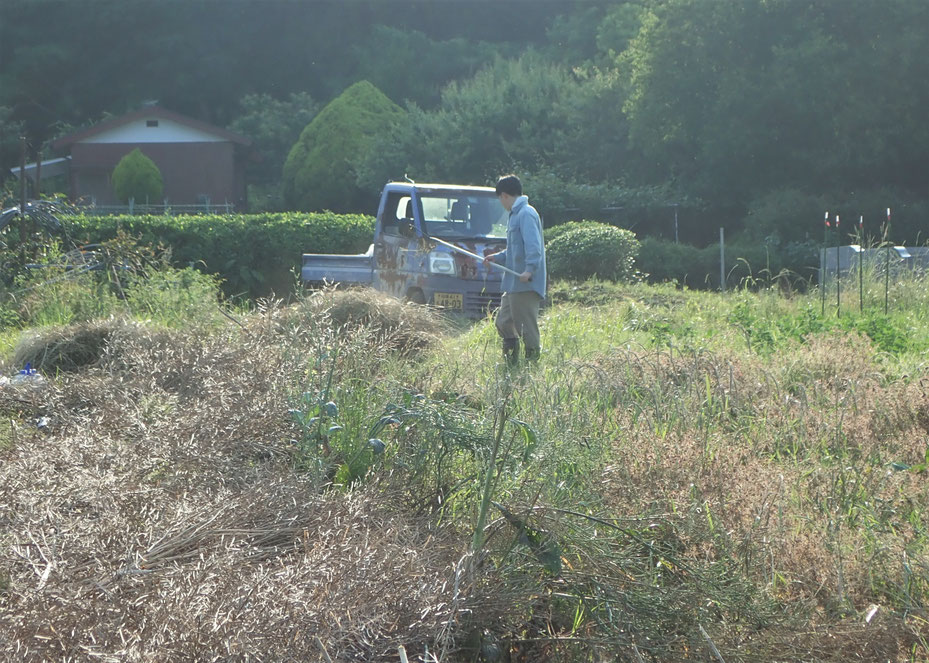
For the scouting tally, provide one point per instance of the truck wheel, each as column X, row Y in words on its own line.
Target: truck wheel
column 416, row 296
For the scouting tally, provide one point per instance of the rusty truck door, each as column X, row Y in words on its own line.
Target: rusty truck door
column 399, row 263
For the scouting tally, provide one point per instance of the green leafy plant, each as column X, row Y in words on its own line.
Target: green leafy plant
column 602, row 250
column 174, row 297
column 557, row 231
column 320, row 171
column 137, row 177
column 337, row 444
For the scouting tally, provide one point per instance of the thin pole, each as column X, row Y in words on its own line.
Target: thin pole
column 473, row 255
column 22, row 200
column 887, row 262
column 722, row 260
column 36, row 191
column 22, row 176
column 822, row 265
column 860, row 264
column 838, row 273
column 675, row 223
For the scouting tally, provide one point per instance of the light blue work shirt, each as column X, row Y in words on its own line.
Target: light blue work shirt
column 525, row 249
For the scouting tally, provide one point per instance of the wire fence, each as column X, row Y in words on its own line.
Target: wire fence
column 158, row 210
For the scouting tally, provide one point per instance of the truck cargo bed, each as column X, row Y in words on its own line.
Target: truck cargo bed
column 348, row 269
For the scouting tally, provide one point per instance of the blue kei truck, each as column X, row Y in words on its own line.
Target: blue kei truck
column 429, row 240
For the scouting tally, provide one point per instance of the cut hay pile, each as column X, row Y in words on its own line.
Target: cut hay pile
column 156, row 514
column 402, row 326
column 67, row 349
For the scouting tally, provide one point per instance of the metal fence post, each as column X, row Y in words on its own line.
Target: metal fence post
column 722, row 260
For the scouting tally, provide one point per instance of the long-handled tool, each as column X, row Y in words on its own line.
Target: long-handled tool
column 472, row 255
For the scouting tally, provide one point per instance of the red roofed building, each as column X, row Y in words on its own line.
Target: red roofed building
column 199, row 163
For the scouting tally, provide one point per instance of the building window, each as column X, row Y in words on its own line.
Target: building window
column 151, row 123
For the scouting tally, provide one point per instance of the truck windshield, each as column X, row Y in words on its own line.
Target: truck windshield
column 464, row 214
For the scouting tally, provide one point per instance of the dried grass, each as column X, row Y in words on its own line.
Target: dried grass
column 401, row 326
column 790, row 480
column 158, row 515
column 67, row 348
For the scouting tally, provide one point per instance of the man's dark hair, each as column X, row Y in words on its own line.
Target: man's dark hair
column 511, row 185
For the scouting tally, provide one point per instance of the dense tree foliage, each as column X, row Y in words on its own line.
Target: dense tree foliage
column 274, row 126
column 511, row 112
column 415, row 67
column 746, row 113
column 320, row 171
column 740, row 96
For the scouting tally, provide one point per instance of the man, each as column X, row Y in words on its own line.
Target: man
column 518, row 316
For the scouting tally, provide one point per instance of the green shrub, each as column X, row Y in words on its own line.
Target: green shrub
column 254, row 254
column 663, row 260
column 887, row 332
column 320, row 171
column 63, row 299
column 61, row 292
column 137, row 177
column 787, row 214
column 562, row 228
column 592, row 249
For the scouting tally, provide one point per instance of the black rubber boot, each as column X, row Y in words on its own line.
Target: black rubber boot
column 532, row 354
column 511, row 351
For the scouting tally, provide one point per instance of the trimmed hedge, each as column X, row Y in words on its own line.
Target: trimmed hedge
column 556, row 231
column 254, row 254
column 591, row 249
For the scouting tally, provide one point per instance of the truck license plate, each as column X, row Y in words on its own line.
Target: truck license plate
column 448, row 299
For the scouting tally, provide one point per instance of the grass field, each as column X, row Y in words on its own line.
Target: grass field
column 683, row 476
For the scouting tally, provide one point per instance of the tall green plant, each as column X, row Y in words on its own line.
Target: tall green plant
column 137, row 177
column 320, row 171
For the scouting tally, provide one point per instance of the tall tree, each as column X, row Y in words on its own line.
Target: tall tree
column 736, row 97
column 513, row 113
column 274, row 126
column 410, row 66
column 320, row 171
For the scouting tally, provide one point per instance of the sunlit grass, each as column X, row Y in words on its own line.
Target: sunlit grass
column 676, row 459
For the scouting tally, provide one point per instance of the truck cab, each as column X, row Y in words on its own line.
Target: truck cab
column 405, row 263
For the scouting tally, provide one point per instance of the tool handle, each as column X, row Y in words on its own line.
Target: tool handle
column 475, row 256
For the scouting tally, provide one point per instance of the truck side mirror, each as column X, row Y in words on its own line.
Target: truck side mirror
column 406, row 228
